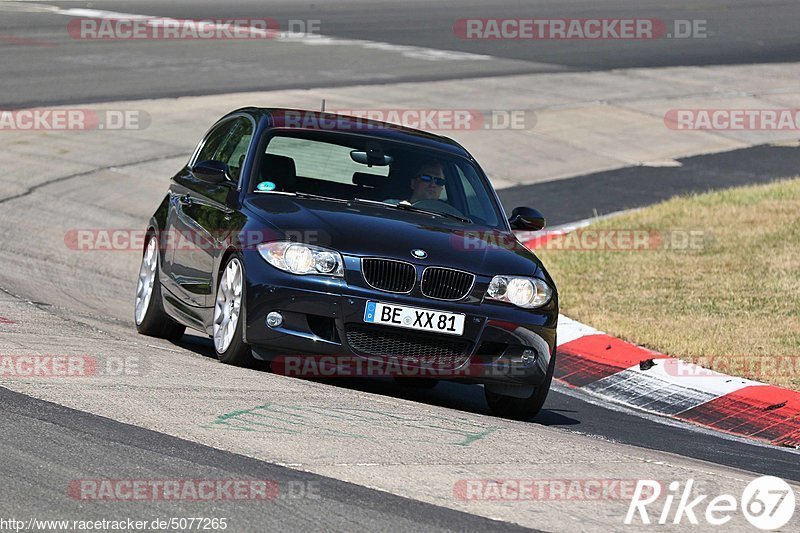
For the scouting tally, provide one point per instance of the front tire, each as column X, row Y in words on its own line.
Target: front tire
column 521, row 408
column 149, row 314
column 227, row 325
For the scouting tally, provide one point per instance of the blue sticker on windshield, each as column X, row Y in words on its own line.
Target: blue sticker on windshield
column 266, row 186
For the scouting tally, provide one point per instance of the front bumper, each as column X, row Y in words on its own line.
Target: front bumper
column 325, row 317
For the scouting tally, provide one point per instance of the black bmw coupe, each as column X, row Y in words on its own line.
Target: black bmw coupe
column 304, row 234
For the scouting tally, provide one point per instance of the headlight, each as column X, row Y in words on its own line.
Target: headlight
column 522, row 292
column 299, row 258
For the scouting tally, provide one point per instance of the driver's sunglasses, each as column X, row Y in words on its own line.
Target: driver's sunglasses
column 438, row 181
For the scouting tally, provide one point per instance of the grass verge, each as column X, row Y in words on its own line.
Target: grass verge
column 716, row 282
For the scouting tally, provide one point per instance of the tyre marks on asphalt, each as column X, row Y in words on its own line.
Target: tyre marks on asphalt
column 321, row 422
column 115, row 167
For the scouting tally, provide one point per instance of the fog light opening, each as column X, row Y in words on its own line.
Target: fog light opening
column 274, row 319
column 520, row 356
column 528, row 357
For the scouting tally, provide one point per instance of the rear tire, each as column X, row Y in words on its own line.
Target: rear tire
column 149, row 314
column 228, row 324
column 521, row 408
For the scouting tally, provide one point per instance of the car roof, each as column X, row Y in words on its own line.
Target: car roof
column 339, row 123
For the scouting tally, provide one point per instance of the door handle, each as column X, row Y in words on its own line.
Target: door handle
column 185, row 200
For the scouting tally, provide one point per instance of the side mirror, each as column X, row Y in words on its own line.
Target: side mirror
column 527, row 218
column 214, row 172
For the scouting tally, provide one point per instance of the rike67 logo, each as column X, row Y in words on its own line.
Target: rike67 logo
column 767, row 503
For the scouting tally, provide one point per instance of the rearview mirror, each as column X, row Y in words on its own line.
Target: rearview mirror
column 527, row 218
column 372, row 156
column 211, row 171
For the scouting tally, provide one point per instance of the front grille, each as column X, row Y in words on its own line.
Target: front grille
column 388, row 275
column 446, row 283
column 430, row 349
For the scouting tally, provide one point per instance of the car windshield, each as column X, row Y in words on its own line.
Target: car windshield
column 324, row 164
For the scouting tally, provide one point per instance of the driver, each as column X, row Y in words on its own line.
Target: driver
column 428, row 182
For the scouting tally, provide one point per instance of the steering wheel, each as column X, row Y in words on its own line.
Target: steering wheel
column 439, row 205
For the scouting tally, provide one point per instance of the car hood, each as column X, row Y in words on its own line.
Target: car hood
column 377, row 231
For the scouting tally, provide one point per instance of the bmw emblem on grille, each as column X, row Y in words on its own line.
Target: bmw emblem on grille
column 419, row 254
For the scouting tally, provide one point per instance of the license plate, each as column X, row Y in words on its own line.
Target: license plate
column 401, row 316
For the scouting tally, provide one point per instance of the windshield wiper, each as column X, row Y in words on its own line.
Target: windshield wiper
column 372, row 202
column 406, row 206
column 409, row 207
column 318, row 197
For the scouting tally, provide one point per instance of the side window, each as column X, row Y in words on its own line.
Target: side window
column 234, row 149
column 479, row 203
column 213, row 141
column 228, row 144
column 472, row 197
